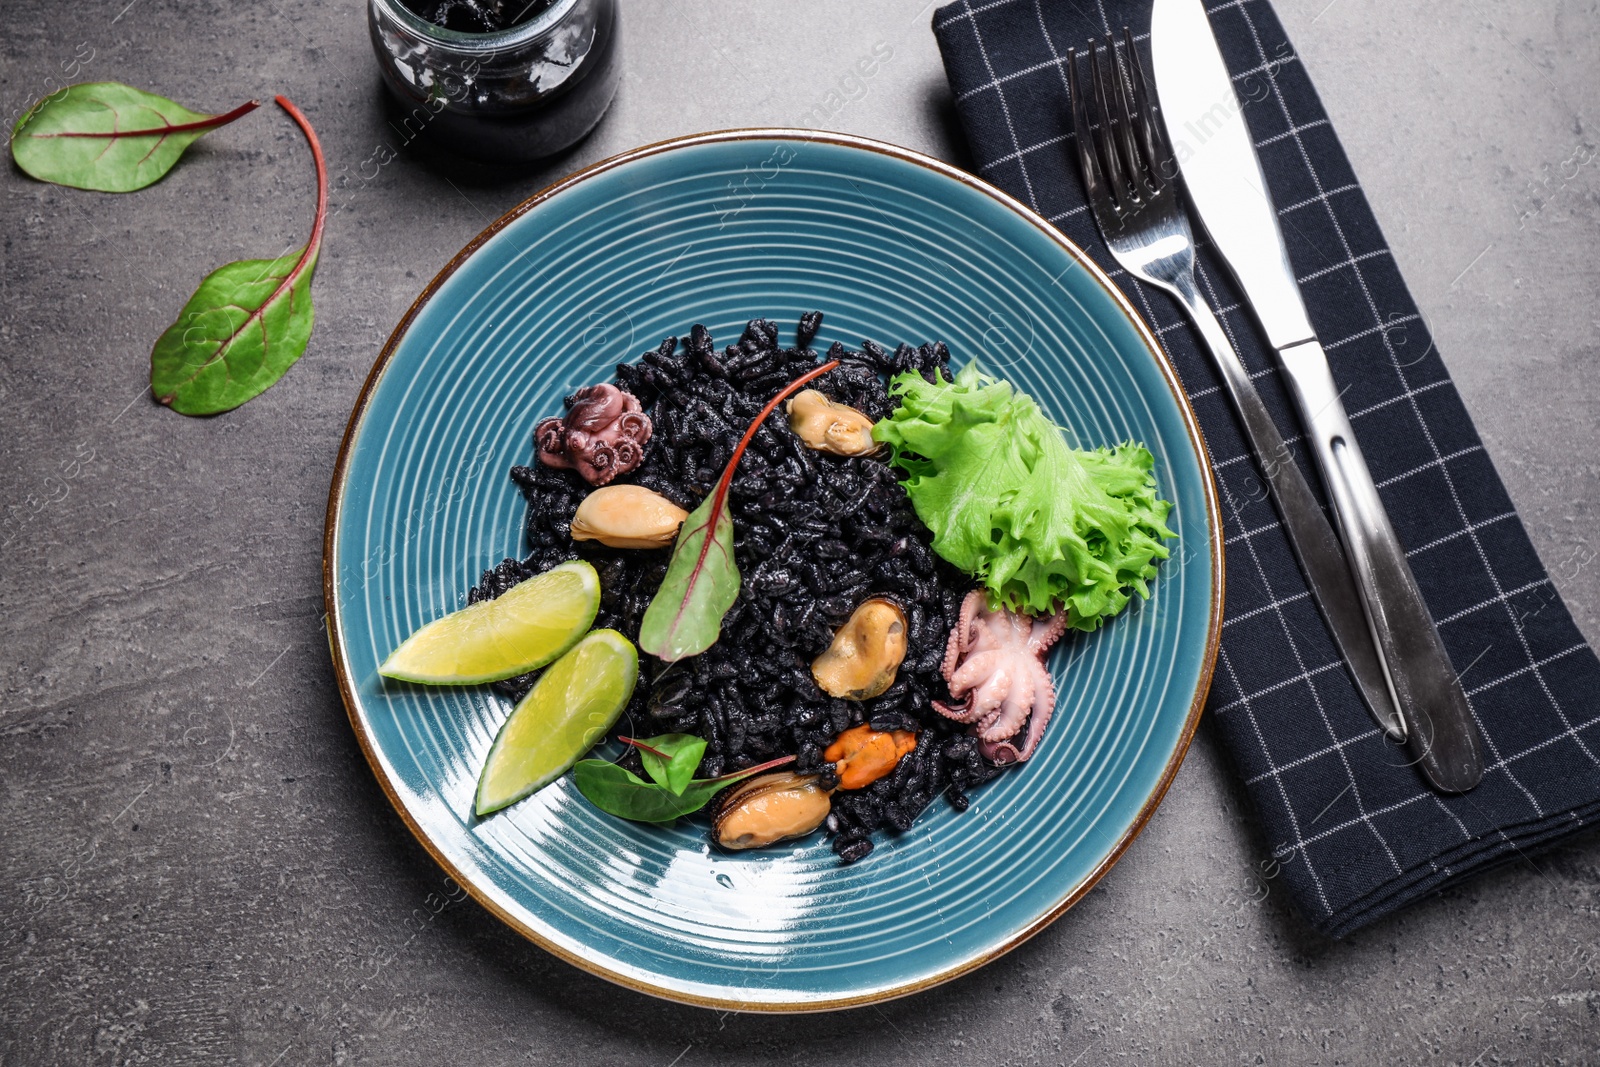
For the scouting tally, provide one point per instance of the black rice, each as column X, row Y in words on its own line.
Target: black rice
column 815, row 535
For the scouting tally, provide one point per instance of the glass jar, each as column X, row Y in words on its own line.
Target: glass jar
column 509, row 96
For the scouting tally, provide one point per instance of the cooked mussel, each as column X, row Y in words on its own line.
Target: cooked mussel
column 829, row 426
column 866, row 652
column 862, row 755
column 769, row 808
column 627, row 516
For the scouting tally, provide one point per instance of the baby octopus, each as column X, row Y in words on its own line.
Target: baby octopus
column 602, row 435
column 995, row 660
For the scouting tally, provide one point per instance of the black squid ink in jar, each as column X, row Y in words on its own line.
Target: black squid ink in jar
column 502, row 81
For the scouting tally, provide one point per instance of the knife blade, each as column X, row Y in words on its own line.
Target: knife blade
column 1217, row 160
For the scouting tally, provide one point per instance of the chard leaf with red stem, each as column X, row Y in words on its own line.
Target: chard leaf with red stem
column 685, row 616
column 109, row 137
column 618, row 791
column 246, row 324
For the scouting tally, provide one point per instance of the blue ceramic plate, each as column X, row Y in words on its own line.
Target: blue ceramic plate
column 718, row 229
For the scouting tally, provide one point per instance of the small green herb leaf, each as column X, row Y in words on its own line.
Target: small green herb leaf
column 246, row 324
column 108, row 136
column 685, row 616
column 618, row 791
column 682, row 754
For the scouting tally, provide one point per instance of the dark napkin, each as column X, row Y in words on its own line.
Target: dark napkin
column 1354, row 830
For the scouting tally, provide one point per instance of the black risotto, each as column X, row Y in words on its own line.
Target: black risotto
column 814, row 535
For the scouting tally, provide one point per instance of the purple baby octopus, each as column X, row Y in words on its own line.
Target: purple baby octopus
column 602, row 435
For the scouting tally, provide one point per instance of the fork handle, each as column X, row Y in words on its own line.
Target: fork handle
column 1311, row 536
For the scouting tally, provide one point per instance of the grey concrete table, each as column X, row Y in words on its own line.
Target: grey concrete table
column 197, row 865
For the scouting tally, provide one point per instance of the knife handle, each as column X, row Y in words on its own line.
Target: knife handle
column 1311, row 536
column 1441, row 734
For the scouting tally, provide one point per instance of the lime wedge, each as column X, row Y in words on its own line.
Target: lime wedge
column 519, row 631
column 565, row 714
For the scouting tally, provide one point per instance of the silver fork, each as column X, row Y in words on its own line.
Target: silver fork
column 1129, row 172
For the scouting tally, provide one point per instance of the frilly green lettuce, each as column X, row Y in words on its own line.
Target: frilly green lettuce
column 1041, row 524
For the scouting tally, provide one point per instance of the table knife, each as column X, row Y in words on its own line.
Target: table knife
column 1220, row 170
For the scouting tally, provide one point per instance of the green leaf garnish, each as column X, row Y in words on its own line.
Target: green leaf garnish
column 246, row 324
column 685, row 616
column 670, row 759
column 108, row 136
column 1039, row 523
column 618, row 791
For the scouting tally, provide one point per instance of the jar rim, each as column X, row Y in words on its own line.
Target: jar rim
column 520, row 34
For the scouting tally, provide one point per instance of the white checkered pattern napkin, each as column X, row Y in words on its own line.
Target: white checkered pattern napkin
column 1356, row 831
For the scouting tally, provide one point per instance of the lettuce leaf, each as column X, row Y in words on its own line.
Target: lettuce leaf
column 1040, row 524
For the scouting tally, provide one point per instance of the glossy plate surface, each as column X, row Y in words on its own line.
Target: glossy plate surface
column 718, row 229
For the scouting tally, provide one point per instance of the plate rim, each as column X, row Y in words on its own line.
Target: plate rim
column 778, row 133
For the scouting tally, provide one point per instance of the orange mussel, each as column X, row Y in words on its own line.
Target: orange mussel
column 862, row 755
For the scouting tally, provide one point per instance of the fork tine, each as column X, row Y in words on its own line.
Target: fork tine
column 1094, row 179
column 1122, row 134
column 1115, row 173
column 1158, row 150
